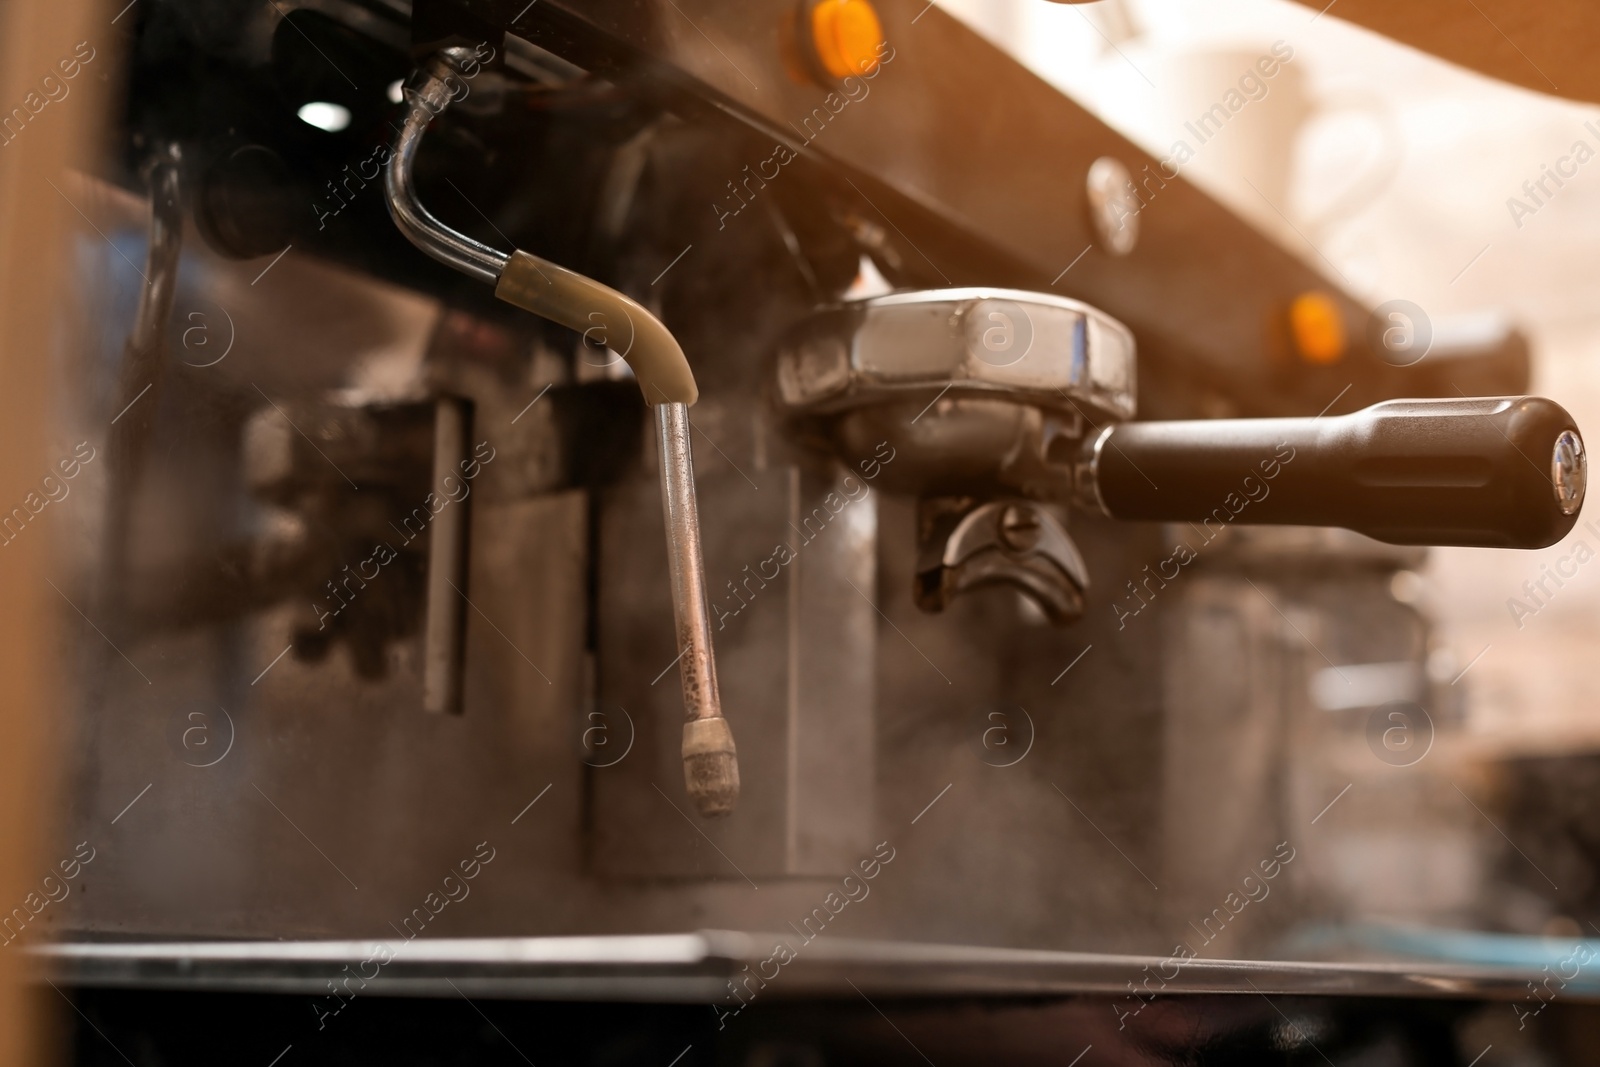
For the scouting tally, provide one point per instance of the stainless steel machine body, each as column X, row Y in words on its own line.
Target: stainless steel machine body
column 970, row 710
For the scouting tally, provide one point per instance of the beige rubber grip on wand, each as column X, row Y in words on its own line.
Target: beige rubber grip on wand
column 605, row 316
column 710, row 762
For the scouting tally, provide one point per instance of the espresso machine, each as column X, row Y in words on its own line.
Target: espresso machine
column 760, row 533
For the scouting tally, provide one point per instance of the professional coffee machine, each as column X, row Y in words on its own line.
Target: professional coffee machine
column 724, row 525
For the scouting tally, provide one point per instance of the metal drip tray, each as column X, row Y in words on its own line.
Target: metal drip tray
column 700, row 967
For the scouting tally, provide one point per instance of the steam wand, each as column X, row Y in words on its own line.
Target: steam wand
column 710, row 762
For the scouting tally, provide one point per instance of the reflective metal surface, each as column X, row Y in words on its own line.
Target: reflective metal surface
column 703, row 967
column 1113, row 206
column 435, row 86
column 1569, row 471
column 1003, row 542
column 710, row 765
column 1027, row 347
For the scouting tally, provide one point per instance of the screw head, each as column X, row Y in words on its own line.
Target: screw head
column 1019, row 527
column 1113, row 207
column 1569, row 472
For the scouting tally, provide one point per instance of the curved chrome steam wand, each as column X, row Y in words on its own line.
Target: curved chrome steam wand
column 710, row 763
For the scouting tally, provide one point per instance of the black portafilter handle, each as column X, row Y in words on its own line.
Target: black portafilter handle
column 1501, row 472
